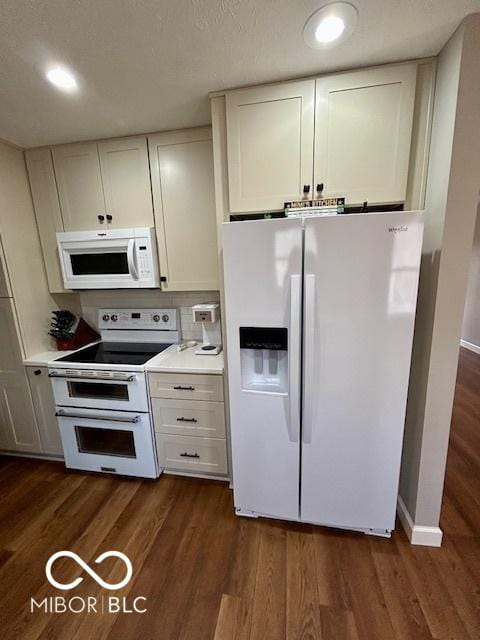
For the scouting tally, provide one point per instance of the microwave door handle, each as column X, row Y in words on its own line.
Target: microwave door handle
column 132, row 267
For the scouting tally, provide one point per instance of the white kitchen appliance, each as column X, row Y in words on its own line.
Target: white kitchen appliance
column 320, row 315
column 101, row 393
column 209, row 315
column 110, row 259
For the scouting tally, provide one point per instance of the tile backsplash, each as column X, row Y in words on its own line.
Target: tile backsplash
column 91, row 301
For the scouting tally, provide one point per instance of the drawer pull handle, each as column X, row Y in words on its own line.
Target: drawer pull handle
column 180, row 388
column 189, row 455
column 187, row 420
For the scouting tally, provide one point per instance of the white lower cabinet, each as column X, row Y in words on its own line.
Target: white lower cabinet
column 44, row 405
column 197, row 455
column 189, row 421
column 18, row 429
column 189, row 417
column 186, row 386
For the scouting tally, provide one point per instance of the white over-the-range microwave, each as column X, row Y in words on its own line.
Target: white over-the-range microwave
column 110, row 259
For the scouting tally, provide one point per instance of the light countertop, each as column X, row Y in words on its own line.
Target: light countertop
column 45, row 358
column 187, row 361
column 169, row 361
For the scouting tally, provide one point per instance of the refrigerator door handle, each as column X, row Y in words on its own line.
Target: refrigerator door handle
column 294, row 358
column 308, row 356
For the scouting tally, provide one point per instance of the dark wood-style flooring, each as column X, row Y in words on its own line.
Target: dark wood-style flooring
column 209, row 575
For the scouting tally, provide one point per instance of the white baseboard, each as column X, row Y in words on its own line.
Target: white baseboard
column 469, row 345
column 418, row 534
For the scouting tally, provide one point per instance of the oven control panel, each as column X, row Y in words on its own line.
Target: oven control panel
column 128, row 319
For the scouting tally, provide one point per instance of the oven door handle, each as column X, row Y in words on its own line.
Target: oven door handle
column 64, row 414
column 54, row 374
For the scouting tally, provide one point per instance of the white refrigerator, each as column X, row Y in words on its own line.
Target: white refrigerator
column 319, row 320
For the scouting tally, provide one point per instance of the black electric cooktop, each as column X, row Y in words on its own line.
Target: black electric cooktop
column 115, row 353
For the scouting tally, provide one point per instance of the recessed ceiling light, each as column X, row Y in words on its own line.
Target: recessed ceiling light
column 329, row 29
column 62, row 79
column 330, row 25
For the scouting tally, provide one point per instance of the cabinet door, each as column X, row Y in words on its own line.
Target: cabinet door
column 126, row 182
column 270, row 144
column 18, row 430
column 44, row 405
column 79, row 181
column 184, row 200
column 47, row 212
column 363, row 132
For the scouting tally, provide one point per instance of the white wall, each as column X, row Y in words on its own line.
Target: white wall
column 471, row 318
column 450, row 210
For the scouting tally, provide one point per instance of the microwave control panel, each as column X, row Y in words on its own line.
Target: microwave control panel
column 143, row 260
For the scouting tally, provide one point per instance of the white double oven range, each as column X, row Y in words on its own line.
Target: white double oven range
column 101, row 395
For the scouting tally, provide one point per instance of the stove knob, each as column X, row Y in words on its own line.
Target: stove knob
column 156, row 318
column 165, row 318
column 114, row 318
column 106, row 318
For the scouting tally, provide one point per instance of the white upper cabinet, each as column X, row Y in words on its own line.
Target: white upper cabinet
column 270, row 144
column 183, row 191
column 79, row 181
column 363, row 130
column 105, row 184
column 47, row 212
column 126, row 182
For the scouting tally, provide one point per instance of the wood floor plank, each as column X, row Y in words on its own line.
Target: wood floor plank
column 243, row 572
column 209, row 579
column 462, row 588
column 337, row 624
column 401, row 601
column 269, row 605
column 368, row 601
column 165, row 579
column 303, row 614
column 227, row 618
column 331, row 581
column 440, row 614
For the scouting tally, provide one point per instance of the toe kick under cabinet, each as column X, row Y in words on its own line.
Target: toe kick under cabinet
column 189, row 420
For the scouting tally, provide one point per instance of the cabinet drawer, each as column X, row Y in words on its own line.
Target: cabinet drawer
column 189, row 417
column 186, row 386
column 196, row 455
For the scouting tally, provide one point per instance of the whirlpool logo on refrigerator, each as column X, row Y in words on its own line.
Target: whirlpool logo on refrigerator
column 88, row 604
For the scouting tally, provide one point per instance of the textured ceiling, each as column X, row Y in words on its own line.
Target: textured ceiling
column 147, row 65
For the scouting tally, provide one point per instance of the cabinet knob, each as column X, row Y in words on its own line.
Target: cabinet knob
column 109, row 217
column 163, row 278
column 37, row 372
column 320, row 187
column 101, row 218
column 306, row 188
